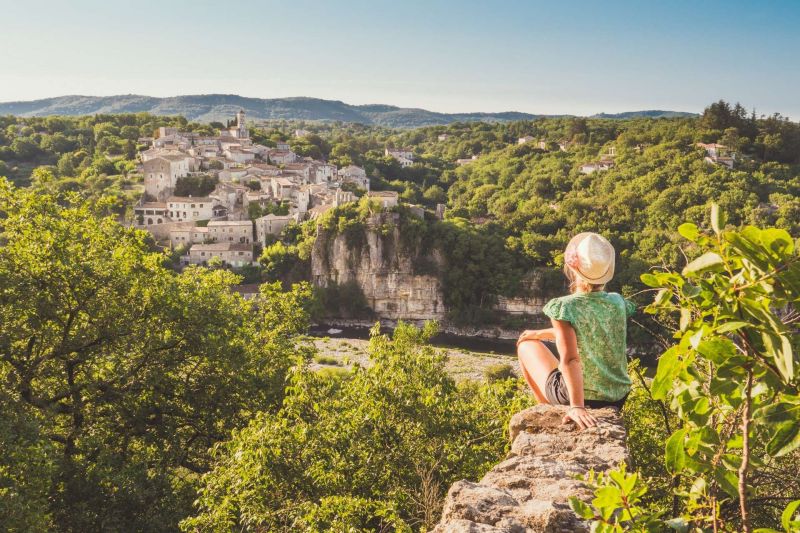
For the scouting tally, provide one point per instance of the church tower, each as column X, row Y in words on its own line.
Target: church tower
column 240, row 124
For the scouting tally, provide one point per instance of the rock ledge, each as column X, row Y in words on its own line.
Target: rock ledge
column 529, row 491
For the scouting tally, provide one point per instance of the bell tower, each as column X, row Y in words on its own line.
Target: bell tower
column 240, row 125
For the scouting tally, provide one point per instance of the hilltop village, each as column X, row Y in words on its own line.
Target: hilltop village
column 258, row 191
column 225, row 196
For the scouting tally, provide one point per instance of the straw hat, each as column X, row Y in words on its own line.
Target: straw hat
column 591, row 257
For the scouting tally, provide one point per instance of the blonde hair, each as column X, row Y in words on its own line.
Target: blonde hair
column 577, row 284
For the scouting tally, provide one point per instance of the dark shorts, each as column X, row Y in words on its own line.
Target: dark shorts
column 555, row 389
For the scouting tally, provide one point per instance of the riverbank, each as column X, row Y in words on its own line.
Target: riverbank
column 489, row 333
column 343, row 351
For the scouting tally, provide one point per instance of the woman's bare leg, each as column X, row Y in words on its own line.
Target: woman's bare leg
column 536, row 362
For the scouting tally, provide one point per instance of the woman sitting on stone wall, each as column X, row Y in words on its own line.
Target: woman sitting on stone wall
column 589, row 331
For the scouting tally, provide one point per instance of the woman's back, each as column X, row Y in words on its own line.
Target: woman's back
column 600, row 323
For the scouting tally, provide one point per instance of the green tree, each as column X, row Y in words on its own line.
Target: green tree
column 125, row 370
column 731, row 378
column 374, row 451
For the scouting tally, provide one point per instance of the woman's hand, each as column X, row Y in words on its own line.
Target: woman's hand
column 529, row 335
column 580, row 416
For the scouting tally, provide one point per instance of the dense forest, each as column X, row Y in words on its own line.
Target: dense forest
column 139, row 398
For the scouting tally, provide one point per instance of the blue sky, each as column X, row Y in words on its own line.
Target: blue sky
column 540, row 57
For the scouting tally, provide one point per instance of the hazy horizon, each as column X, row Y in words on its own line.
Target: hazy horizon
column 443, row 56
column 465, row 111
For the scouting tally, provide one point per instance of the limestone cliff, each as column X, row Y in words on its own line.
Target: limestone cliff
column 529, row 491
column 386, row 272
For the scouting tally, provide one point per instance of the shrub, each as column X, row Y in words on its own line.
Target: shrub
column 499, row 372
column 326, row 360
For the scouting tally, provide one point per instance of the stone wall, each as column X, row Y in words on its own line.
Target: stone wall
column 384, row 271
column 529, row 491
column 160, row 232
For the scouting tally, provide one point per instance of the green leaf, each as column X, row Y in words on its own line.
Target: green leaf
column 580, row 508
column 650, row 280
column 689, row 231
column 788, row 514
column 785, row 360
column 662, row 297
column 690, row 291
column 668, row 368
column 777, row 241
column 686, row 319
column 716, row 349
column 607, row 497
column 728, row 481
column 779, row 347
column 780, row 420
column 786, row 438
column 675, row 454
column 717, row 218
column 725, row 327
column 707, row 261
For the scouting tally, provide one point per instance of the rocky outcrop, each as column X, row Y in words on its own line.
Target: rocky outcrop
column 529, row 491
column 386, row 272
column 532, row 297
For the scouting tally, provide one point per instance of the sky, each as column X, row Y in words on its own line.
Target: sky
column 551, row 57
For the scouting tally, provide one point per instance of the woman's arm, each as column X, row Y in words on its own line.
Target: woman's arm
column 570, row 366
column 537, row 334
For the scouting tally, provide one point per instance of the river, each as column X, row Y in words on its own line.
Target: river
column 440, row 340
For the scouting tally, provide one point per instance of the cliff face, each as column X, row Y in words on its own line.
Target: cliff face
column 382, row 268
column 529, row 491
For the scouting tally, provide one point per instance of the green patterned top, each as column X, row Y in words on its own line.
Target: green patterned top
column 599, row 319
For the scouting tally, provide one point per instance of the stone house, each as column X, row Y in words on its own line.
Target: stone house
column 282, row 188
column 387, row 199
column 355, row 175
column 325, row 172
column 604, row 164
column 183, row 209
column 718, row 154
column 466, row 161
column 231, row 254
column 405, row 156
column 150, row 213
column 239, row 231
column 282, row 157
column 161, row 174
column 187, row 236
column 271, row 225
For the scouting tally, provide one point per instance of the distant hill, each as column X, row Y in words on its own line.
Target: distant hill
column 650, row 113
column 211, row 107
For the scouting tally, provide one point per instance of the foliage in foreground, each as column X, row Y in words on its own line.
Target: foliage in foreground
column 118, row 375
column 732, row 380
column 374, row 451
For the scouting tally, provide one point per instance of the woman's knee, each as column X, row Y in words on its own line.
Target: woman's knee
column 529, row 346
